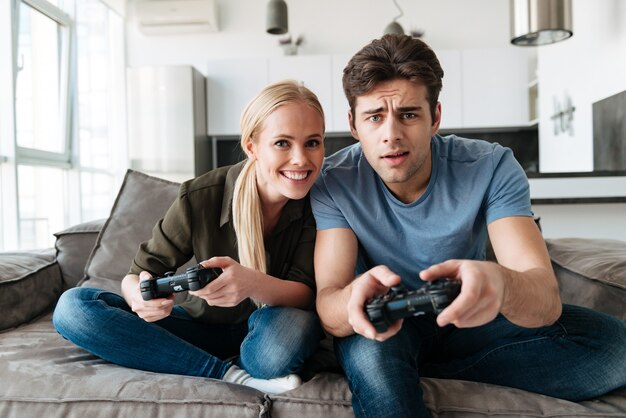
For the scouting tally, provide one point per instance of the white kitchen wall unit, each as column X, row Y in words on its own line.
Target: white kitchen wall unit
column 495, row 87
column 482, row 88
column 340, row 103
column 451, row 96
column 231, row 84
column 164, row 17
column 314, row 71
column 167, row 134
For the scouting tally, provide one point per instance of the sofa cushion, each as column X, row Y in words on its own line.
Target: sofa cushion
column 328, row 395
column 73, row 246
column 591, row 273
column 140, row 203
column 30, row 283
column 50, row 377
column 44, row 375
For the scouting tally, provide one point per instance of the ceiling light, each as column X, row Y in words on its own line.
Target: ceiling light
column 277, row 22
column 540, row 22
column 394, row 27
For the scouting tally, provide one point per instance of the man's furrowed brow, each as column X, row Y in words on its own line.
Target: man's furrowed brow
column 372, row 111
column 410, row 108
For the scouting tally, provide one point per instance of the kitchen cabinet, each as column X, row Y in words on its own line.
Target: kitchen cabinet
column 495, row 87
column 314, row 71
column 451, row 92
column 231, row 84
column 482, row 88
column 340, row 108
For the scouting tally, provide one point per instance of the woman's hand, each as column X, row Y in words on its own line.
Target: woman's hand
column 235, row 284
column 149, row 310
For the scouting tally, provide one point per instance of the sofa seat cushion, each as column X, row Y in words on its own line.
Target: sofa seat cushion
column 30, row 283
column 47, row 376
column 50, row 377
column 328, row 395
column 591, row 273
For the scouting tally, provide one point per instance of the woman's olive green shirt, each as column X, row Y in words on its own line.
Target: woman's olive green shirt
column 199, row 223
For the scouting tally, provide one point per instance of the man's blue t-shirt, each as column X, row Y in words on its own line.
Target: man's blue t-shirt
column 472, row 184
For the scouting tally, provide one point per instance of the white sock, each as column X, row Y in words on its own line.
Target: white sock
column 271, row 386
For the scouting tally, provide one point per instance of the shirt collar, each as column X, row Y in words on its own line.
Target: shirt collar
column 229, row 190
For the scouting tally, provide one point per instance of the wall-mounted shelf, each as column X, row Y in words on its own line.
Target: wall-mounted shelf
column 584, row 187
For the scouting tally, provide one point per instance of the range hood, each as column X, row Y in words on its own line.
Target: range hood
column 540, row 22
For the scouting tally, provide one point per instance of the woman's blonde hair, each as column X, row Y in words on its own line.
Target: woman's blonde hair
column 247, row 214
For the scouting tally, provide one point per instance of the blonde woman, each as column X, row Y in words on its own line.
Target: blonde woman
column 255, row 324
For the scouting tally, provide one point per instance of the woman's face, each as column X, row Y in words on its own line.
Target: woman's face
column 289, row 149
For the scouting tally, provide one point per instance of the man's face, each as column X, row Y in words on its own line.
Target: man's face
column 394, row 125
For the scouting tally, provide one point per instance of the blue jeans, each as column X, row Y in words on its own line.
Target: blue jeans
column 275, row 342
column 581, row 356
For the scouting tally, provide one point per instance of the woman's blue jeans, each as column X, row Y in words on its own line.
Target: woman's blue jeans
column 581, row 356
column 275, row 342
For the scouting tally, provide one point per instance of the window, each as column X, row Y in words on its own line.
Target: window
column 101, row 105
column 62, row 129
column 41, row 91
column 41, row 85
column 41, row 121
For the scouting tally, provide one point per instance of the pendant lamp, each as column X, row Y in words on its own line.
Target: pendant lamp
column 276, row 19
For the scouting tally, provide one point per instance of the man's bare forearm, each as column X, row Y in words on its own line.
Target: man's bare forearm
column 531, row 298
column 331, row 307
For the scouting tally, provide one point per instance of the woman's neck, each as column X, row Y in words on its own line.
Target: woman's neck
column 271, row 210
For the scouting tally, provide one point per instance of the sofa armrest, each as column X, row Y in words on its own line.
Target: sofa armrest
column 591, row 273
column 74, row 245
column 30, row 284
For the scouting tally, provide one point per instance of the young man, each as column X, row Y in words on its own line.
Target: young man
column 407, row 205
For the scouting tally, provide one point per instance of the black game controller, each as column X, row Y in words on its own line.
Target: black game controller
column 194, row 278
column 399, row 302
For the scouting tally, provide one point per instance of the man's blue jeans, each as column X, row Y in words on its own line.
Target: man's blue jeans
column 275, row 341
column 581, row 356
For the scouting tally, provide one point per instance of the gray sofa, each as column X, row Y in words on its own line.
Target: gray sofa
column 42, row 375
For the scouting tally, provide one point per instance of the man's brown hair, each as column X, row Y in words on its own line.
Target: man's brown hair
column 389, row 58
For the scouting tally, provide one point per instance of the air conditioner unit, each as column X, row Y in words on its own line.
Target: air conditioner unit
column 160, row 17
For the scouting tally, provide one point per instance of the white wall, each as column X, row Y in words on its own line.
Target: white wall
column 598, row 220
column 590, row 66
column 329, row 27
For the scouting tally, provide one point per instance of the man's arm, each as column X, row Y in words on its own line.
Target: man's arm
column 521, row 286
column 341, row 297
column 531, row 296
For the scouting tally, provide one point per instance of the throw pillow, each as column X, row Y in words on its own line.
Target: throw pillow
column 74, row 245
column 591, row 273
column 30, row 284
column 141, row 202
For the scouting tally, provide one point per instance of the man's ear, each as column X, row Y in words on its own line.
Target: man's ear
column 435, row 127
column 353, row 130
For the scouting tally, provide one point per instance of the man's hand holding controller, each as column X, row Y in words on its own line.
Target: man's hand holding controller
column 378, row 314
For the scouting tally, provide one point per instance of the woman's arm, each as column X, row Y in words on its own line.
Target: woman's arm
column 237, row 283
column 151, row 310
